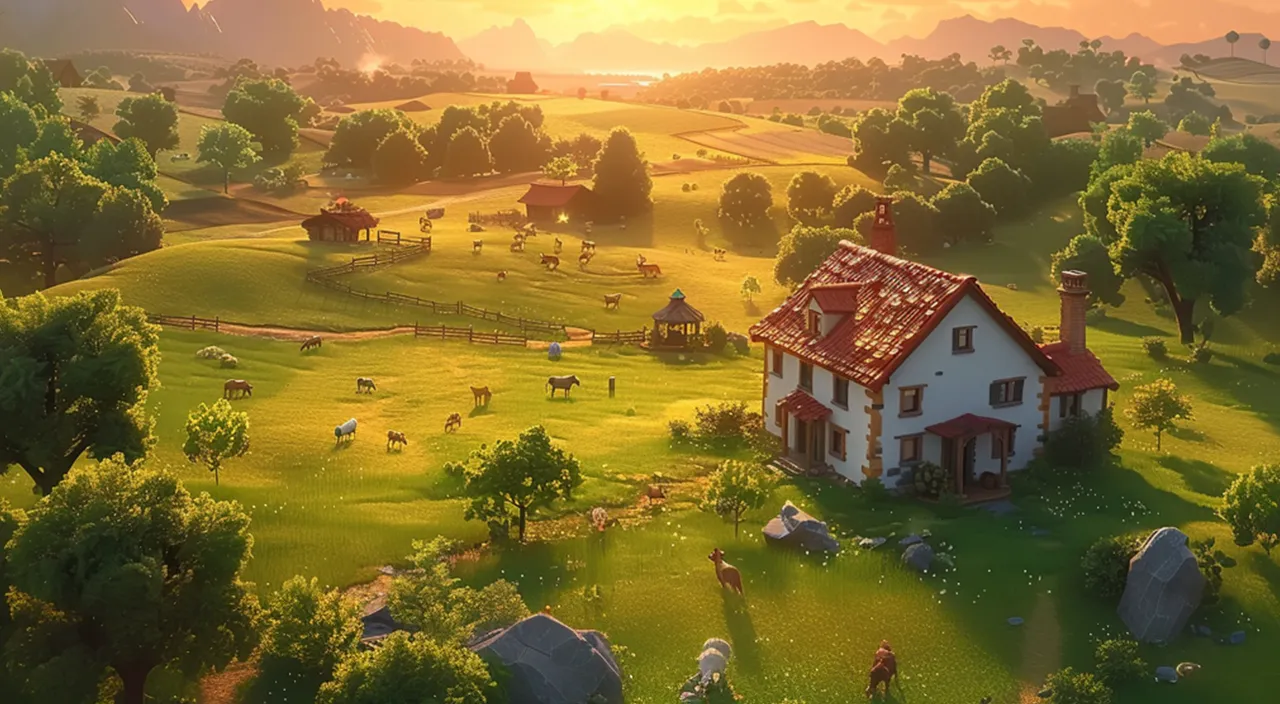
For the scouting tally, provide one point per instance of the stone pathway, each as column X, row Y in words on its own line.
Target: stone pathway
column 1041, row 647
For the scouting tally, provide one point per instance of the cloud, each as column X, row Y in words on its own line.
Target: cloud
column 892, row 15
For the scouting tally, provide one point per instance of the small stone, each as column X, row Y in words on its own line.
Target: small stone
column 871, row 543
column 1016, row 621
column 1236, row 638
column 918, row 557
column 910, row 540
column 1166, row 674
column 1045, row 693
column 1202, row 630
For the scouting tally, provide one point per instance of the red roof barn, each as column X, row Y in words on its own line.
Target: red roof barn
column 341, row 221
column 64, row 72
column 549, row 203
column 1076, row 114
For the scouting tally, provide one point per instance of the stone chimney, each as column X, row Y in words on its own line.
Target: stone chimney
column 1075, row 91
column 884, row 238
column 1074, row 292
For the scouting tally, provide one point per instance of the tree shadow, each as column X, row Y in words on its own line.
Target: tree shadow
column 1128, row 328
column 1191, row 435
column 1200, row 477
column 742, row 632
column 479, row 411
column 1249, row 384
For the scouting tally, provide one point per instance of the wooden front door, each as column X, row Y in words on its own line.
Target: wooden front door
column 817, row 442
column 801, row 444
column 969, row 458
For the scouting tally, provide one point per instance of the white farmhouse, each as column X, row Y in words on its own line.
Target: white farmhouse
column 877, row 364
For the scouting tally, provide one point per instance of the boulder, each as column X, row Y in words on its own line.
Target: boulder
column 1166, row 674
column 910, row 540
column 870, row 543
column 1163, row 589
column 551, row 663
column 795, row 527
column 918, row 557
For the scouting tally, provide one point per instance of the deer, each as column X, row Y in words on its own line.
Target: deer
column 611, row 300
column 646, row 269
column 551, row 261
column 728, row 575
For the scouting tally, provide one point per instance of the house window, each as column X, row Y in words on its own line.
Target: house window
column 806, row 376
column 1069, row 405
column 910, row 449
column 815, row 323
column 962, row 340
column 1006, row 392
column 776, row 361
column 839, row 447
column 1006, row 442
column 840, row 396
column 911, row 401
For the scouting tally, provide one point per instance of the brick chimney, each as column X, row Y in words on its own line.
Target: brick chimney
column 884, row 238
column 1074, row 292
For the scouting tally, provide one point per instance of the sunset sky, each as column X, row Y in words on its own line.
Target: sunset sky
column 687, row 21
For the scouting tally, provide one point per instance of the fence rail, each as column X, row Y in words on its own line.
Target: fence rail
column 621, row 337
column 188, row 322
column 443, row 332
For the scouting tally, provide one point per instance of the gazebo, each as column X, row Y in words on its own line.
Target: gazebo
column 674, row 325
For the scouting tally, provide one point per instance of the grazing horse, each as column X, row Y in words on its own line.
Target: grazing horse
column 563, row 383
column 718, row 254
column 345, row 431
column 395, row 437
column 232, row 386
column 311, row 343
column 646, row 269
column 559, row 246
column 611, row 300
column 518, row 245
column 481, row 395
column 453, row 422
column 502, row 275
column 728, row 575
column 365, row 385
column 883, row 670
column 585, row 258
column 588, row 245
column 550, row 261
column 476, row 246
column 655, row 492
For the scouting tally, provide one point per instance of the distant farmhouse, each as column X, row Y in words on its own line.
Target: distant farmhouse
column 340, row 221
column 91, row 135
column 522, row 83
column 553, row 202
column 64, row 73
column 1076, row 114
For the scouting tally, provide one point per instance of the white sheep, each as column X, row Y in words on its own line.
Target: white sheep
column 714, row 659
column 229, row 361
column 210, row 352
column 346, row 430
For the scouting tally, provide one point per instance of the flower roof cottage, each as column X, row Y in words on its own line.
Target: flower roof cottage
column 877, row 364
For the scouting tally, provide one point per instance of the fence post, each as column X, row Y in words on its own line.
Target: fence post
column 612, row 382
column 193, row 322
column 215, row 323
column 441, row 331
column 471, row 333
column 459, row 307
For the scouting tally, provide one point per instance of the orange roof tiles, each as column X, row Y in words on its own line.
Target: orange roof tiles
column 900, row 302
column 836, row 298
column 968, row 425
column 805, row 407
column 1081, row 371
column 553, row 195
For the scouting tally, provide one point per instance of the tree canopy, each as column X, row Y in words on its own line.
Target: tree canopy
column 851, row 202
column 935, row 120
column 1089, row 254
column 216, row 434
column 151, row 119
column 737, row 487
column 880, row 139
column 518, row 146
column 270, row 110
column 407, row 669
column 358, row 135
column 1147, row 127
column 310, row 628
column 1251, row 506
column 622, row 184
column 228, row 146
column 400, row 160
column 810, row 196
column 432, row 602
column 1258, row 156
column 468, row 154
column 30, row 81
column 805, row 248
column 965, row 215
column 1158, row 406
column 1004, row 188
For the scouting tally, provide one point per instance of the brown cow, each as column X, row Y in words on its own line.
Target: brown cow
column 311, row 343
column 550, row 261
column 232, row 386
column 728, row 575
column 481, row 395
column 611, row 300
column 395, row 437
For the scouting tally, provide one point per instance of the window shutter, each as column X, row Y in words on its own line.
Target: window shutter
column 1017, row 390
column 995, row 393
column 955, row 339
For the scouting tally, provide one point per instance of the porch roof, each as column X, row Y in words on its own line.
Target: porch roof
column 968, row 425
column 805, row 407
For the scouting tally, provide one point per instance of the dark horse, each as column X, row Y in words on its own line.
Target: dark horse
column 883, row 670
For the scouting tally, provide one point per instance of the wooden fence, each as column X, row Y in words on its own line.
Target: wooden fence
column 187, row 322
column 506, row 218
column 443, row 332
column 621, row 337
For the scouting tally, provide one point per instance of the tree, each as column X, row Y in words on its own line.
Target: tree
column 737, row 487
column 163, row 585
column 102, row 78
column 966, row 214
column 407, row 669
column 1119, row 147
column 518, row 146
column 1004, row 188
column 880, row 139
column 1118, row 662
column 400, row 160
column 138, row 83
column 1147, row 127
column 935, row 120
column 216, row 434
column 309, row 628
column 805, row 248
column 228, row 146
column 468, row 154
column 851, row 202
column 1233, row 37
column 126, row 164
column 55, row 136
column 745, row 200
column 358, row 135
column 1265, row 45
column 1111, row 93
column 1196, row 124
column 899, row 178
column 76, row 375
column 151, row 119
column 88, row 107
column 1251, row 506
column 622, row 184
column 810, row 196
column 270, row 110
column 1158, row 406
column 526, row 474
column 430, row 600
column 1186, row 222
column 999, row 54
column 561, row 168
column 1142, row 85
column 30, row 81
column 1071, row 687
column 19, row 127
column 1089, row 254
column 750, row 287
column 1258, row 156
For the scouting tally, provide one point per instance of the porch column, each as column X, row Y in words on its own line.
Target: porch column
column 1004, row 460
column 786, row 432
column 959, row 460
column 809, row 443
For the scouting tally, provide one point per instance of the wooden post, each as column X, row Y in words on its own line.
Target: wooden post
column 1004, row 460
column 215, row 323
column 441, row 331
column 612, row 386
column 471, row 333
column 959, row 460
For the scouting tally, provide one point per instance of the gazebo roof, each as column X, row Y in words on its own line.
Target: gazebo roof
column 678, row 311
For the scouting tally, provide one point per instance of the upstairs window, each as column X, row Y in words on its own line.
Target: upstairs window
column 806, row 376
column 775, row 361
column 1006, row 392
column 815, row 323
column 911, row 401
column 962, row 340
column 1069, row 405
column 840, row 394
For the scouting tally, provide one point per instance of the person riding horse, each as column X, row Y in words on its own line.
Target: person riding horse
column 884, row 669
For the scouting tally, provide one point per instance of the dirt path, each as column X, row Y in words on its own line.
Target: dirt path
column 297, row 335
column 1042, row 647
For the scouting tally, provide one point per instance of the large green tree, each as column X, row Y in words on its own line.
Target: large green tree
column 1004, row 188
column 126, row 164
column 270, row 110
column 74, row 380
column 1186, row 222
column 963, row 214
column 216, row 434
column 880, row 140
column 518, row 146
column 468, row 154
column 520, row 476
column 745, row 200
column 1251, row 506
column 432, row 602
column 358, row 135
column 29, row 81
column 400, row 160
column 1111, row 93
column 151, row 119
column 309, row 630
column 810, row 197
column 227, row 146
column 411, row 669
column 851, row 202
column 1142, row 85
column 1118, row 147
column 145, row 574
column 56, row 136
column 805, row 248
column 19, row 127
column 1258, row 156
column 622, row 184
column 1147, row 127
column 936, row 122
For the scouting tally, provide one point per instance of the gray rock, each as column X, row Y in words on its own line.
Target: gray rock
column 1166, row 674
column 1236, row 638
column 551, row 663
column 795, row 527
column 918, row 557
column 1163, row 589
column 1016, row 621
column 910, row 540
column 870, row 543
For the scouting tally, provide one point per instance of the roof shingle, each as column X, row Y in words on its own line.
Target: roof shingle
column 805, row 407
column 1081, row 371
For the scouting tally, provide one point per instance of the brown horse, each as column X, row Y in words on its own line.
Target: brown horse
column 365, row 385
column 585, row 258
column 395, row 437
column 481, row 395
column 551, row 261
column 453, row 422
column 728, row 575
column 611, row 300
column 311, row 343
column 884, row 669
column 232, row 386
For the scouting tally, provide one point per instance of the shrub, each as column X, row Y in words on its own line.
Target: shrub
column 680, row 430
column 931, row 480
column 1037, row 335
column 211, row 352
column 1106, row 565
column 686, row 188
column 1155, row 347
column 1212, row 561
column 726, row 421
column 1071, row 687
column 702, row 153
column 1084, row 441
column 717, row 338
column 1201, row 354
column 631, row 411
column 693, row 186
column 874, row 490
column 1251, row 506
column 1118, row 662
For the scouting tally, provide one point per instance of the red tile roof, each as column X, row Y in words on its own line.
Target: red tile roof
column 899, row 304
column 345, row 214
column 546, row 195
column 968, row 425
column 805, row 407
column 1081, row 371
column 836, row 298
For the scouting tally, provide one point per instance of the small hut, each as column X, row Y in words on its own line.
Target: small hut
column 549, row 203
column 64, row 73
column 522, row 83
column 340, row 221
column 675, row 326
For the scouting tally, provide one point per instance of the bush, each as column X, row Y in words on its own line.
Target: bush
column 931, row 480
column 686, row 188
column 717, row 338
column 680, row 430
column 1037, row 334
column 211, row 352
column 631, row 411
column 693, row 186
column 874, row 490
column 1212, row 561
column 1155, row 347
column 1084, row 441
column 1201, row 354
column 1118, row 662
column 726, row 421
column 1106, row 565
column 1071, row 687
